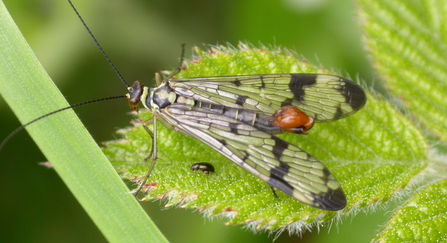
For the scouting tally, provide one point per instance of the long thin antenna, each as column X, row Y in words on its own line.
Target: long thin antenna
column 2, row 144
column 98, row 45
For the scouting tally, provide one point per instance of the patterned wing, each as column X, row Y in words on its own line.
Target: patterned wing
column 280, row 164
column 324, row 97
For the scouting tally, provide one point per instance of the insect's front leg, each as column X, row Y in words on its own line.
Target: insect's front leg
column 153, row 152
column 145, row 125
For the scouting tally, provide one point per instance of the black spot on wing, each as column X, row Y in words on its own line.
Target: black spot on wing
column 278, row 150
column 280, row 183
column 277, row 173
column 326, row 172
column 299, row 82
column 237, row 82
column 246, row 156
column 334, row 200
column 241, row 100
column 280, row 172
column 279, row 147
column 354, row 94
column 338, row 113
column 262, row 83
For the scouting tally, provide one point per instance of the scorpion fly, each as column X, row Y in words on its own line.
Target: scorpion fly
column 239, row 116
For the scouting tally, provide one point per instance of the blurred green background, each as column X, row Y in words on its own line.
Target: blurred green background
column 141, row 38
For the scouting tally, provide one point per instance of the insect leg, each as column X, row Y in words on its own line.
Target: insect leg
column 158, row 80
column 274, row 192
column 145, row 126
column 152, row 154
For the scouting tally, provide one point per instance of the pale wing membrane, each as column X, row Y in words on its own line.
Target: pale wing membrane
column 324, row 97
column 280, row 164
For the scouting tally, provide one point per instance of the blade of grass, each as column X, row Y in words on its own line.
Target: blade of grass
column 66, row 143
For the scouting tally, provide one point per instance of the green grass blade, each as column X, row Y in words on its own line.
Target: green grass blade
column 66, row 143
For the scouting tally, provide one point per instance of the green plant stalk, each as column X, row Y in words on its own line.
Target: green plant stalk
column 66, row 143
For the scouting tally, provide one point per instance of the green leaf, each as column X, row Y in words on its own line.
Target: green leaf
column 373, row 153
column 422, row 219
column 66, row 143
column 408, row 42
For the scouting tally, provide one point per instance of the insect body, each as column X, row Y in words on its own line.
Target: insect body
column 292, row 120
column 205, row 167
column 236, row 116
